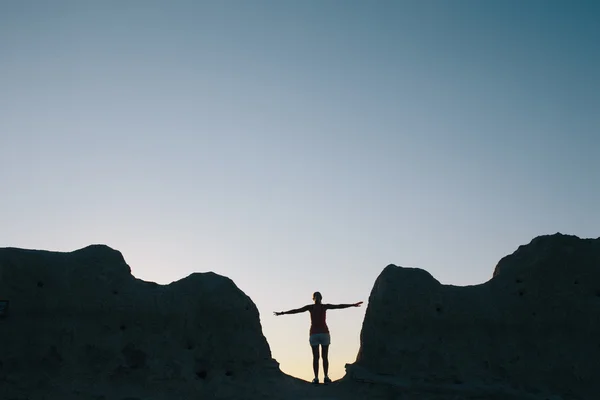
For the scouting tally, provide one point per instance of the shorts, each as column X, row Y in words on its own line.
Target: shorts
column 322, row 339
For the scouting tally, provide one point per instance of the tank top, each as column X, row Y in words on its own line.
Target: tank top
column 317, row 319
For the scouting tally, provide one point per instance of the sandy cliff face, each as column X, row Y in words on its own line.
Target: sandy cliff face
column 80, row 326
column 81, row 318
column 533, row 328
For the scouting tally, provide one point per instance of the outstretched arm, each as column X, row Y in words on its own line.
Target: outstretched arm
column 338, row 306
column 295, row 311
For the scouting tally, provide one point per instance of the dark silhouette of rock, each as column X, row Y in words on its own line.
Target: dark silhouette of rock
column 81, row 318
column 82, row 327
column 532, row 331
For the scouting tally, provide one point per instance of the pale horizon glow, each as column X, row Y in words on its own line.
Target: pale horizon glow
column 297, row 147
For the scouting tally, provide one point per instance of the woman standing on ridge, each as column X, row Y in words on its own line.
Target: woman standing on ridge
column 319, row 332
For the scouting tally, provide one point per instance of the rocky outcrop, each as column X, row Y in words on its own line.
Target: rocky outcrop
column 80, row 326
column 81, row 323
column 532, row 329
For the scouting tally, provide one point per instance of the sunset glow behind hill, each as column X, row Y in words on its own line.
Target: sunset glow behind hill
column 299, row 146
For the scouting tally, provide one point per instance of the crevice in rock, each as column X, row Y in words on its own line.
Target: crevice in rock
column 201, row 374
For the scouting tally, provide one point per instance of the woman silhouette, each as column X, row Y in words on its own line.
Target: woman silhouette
column 319, row 332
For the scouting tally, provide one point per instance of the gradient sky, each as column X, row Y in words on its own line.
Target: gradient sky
column 296, row 146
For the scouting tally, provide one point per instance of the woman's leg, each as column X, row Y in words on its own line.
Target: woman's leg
column 315, row 351
column 325, row 360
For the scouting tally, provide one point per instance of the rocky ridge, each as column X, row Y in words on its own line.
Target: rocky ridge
column 80, row 326
column 80, row 320
column 530, row 331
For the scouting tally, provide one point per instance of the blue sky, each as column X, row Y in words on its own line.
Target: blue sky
column 299, row 146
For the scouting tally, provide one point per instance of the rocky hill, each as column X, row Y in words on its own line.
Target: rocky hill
column 80, row 326
column 531, row 331
column 80, row 323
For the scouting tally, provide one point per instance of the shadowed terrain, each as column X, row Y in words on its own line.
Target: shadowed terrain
column 532, row 329
column 80, row 326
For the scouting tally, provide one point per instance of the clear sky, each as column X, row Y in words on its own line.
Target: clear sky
column 296, row 146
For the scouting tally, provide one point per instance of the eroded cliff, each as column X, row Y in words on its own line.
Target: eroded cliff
column 79, row 321
column 532, row 329
column 80, row 326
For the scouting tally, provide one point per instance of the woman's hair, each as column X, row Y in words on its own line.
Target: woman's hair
column 317, row 295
